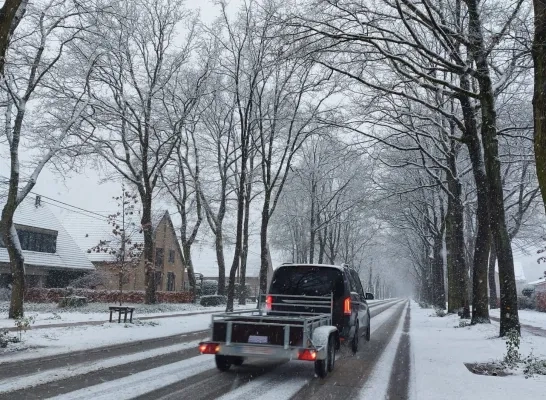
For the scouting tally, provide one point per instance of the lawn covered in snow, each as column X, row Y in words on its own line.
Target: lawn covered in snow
column 50, row 313
column 527, row 317
column 440, row 348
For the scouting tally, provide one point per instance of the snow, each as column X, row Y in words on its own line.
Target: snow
column 377, row 384
column 527, row 317
column 57, row 374
column 48, row 314
column 51, row 341
column 142, row 382
column 282, row 383
column 439, row 351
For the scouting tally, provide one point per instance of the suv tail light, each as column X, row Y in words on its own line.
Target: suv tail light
column 347, row 306
column 268, row 302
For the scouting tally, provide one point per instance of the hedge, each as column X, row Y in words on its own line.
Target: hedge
column 43, row 295
column 541, row 301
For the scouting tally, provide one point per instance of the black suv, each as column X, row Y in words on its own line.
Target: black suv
column 350, row 312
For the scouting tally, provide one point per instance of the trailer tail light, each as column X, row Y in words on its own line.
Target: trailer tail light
column 268, row 302
column 307, row 355
column 209, row 348
column 347, row 306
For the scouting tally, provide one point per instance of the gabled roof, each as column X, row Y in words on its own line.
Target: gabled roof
column 68, row 255
column 89, row 230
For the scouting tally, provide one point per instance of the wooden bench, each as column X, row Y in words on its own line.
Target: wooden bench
column 122, row 310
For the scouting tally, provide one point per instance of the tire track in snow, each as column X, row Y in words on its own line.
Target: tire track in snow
column 269, row 378
column 351, row 372
column 378, row 383
column 112, row 367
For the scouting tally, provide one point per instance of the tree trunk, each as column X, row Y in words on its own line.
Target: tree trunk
column 439, row 293
column 480, row 312
column 493, row 301
column 480, row 309
column 539, row 98
column 312, row 230
column 219, row 245
column 509, row 319
column 244, row 252
column 457, row 272
column 186, row 248
column 149, row 267
column 264, row 259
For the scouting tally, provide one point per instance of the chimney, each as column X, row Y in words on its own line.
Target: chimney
column 38, row 202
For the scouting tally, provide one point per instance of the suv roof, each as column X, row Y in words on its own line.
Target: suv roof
column 340, row 267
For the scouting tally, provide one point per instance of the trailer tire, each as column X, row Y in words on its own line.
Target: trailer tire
column 238, row 361
column 223, row 363
column 331, row 353
column 323, row 366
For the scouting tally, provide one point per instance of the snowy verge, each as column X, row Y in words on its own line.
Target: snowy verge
column 527, row 317
column 49, row 314
column 439, row 351
column 52, row 341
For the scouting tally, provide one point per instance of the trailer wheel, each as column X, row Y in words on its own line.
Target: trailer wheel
column 238, row 361
column 322, row 366
column 331, row 353
column 223, row 363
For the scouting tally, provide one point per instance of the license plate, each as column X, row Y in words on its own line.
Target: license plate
column 256, row 350
column 257, row 339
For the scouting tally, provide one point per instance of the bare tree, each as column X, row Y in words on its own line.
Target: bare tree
column 139, row 69
column 34, row 76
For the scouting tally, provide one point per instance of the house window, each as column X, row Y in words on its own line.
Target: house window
column 37, row 241
column 171, row 256
column 170, row 281
column 159, row 253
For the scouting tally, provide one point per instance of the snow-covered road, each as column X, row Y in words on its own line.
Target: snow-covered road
column 176, row 371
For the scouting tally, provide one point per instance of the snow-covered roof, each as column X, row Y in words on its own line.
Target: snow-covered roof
column 67, row 256
column 89, row 230
column 538, row 282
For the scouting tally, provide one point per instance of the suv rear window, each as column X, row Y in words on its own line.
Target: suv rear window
column 307, row 281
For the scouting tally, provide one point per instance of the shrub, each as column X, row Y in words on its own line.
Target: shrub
column 209, row 288
column 53, row 295
column 214, row 300
column 525, row 302
column 512, row 357
column 541, row 301
column 6, row 338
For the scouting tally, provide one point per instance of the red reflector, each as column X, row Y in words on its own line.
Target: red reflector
column 307, row 355
column 347, row 306
column 268, row 302
column 209, row 348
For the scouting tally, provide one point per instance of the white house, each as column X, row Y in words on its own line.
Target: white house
column 52, row 257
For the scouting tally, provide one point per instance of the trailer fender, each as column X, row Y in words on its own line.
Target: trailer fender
column 322, row 334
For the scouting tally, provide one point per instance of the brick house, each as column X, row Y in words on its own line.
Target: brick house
column 52, row 257
column 168, row 258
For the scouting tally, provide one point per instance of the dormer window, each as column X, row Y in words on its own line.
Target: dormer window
column 35, row 239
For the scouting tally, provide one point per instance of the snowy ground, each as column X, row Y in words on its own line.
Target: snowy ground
column 527, row 317
column 50, row 341
column 47, row 313
column 439, row 351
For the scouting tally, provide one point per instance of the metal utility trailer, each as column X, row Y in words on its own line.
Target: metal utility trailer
column 303, row 330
